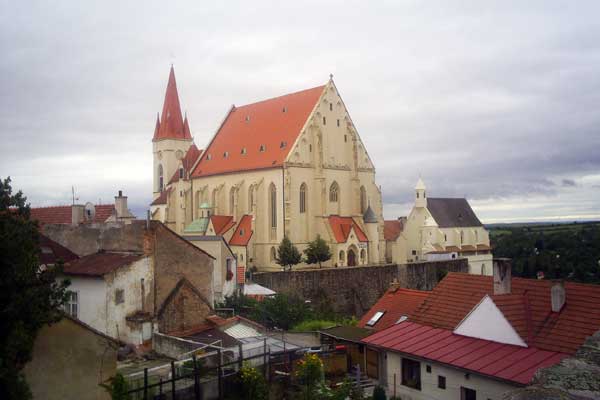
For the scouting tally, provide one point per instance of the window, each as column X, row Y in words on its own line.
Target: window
column 334, row 192
column 363, row 199
column 160, row 178
column 414, row 252
column 310, row 148
column 341, row 257
column 247, row 118
column 411, row 373
column 262, row 148
column 242, row 231
column 225, row 154
column 273, row 205
column 284, row 109
column 330, row 106
column 375, row 318
column 338, row 122
column 72, row 305
column 482, row 269
column 363, row 256
column 119, row 296
column 445, row 238
column 441, row 382
column 324, row 121
column 302, row 198
column 243, row 151
column 345, row 138
column 428, row 369
column 208, row 157
column 462, row 237
column 467, row 394
column 282, row 145
column 232, row 202
column 417, row 195
column 250, row 198
column 180, row 173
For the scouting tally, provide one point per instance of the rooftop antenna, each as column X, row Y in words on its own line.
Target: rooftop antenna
column 73, row 194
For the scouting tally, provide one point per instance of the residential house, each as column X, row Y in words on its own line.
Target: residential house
column 479, row 336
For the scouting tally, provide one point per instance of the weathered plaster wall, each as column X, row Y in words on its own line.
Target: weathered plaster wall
column 69, row 362
column 353, row 290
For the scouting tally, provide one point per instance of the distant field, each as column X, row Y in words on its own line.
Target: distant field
column 548, row 228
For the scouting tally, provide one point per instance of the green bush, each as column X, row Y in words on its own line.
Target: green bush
column 379, row 393
column 254, row 386
column 311, row 325
column 117, row 388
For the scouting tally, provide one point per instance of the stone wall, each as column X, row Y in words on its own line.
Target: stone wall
column 353, row 290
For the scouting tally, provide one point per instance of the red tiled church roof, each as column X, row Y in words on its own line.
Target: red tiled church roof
column 99, row 264
column 341, row 227
column 190, row 158
column 392, row 229
column 243, row 232
column 274, row 124
column 501, row 361
column 172, row 125
column 162, row 197
column 63, row 214
column 222, row 223
column 527, row 308
column 395, row 303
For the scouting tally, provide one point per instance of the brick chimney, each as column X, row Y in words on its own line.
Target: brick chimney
column 502, row 276
column 77, row 214
column 558, row 295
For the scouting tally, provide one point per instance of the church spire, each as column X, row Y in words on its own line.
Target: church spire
column 172, row 126
column 186, row 128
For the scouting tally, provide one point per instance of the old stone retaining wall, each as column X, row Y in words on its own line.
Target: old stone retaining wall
column 353, row 290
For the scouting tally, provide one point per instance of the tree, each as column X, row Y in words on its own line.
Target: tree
column 317, row 251
column 29, row 298
column 287, row 254
column 282, row 311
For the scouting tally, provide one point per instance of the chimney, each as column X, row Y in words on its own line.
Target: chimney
column 558, row 295
column 121, row 205
column 77, row 214
column 394, row 286
column 502, row 275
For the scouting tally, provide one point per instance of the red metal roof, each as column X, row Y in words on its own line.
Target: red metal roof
column 99, row 264
column 392, row 229
column 237, row 144
column 51, row 252
column 341, row 227
column 497, row 360
column 527, row 308
column 395, row 303
column 63, row 214
column 243, row 232
column 222, row 223
column 172, row 125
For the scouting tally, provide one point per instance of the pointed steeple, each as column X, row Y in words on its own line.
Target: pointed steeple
column 186, row 128
column 171, row 126
column 156, row 128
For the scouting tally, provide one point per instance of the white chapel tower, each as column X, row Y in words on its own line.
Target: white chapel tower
column 421, row 195
column 172, row 138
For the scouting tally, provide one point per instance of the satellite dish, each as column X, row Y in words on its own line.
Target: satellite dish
column 90, row 211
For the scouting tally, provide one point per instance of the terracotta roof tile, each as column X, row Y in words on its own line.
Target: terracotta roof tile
column 527, row 308
column 341, row 227
column 222, row 223
column 392, row 229
column 63, row 214
column 99, row 264
column 258, row 135
column 243, row 232
column 502, row 361
column 188, row 162
column 395, row 303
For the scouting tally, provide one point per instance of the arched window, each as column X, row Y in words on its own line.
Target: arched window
column 334, row 192
column 160, row 178
column 232, row 202
column 273, row 205
column 462, row 237
column 363, row 256
column 303, row 198
column 341, row 258
column 363, row 199
column 250, row 198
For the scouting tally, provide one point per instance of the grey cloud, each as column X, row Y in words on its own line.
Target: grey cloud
column 568, row 183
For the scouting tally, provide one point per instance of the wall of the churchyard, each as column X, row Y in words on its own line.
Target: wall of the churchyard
column 353, row 290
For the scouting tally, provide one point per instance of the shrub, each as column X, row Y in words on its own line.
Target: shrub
column 254, row 386
column 379, row 393
column 117, row 388
column 313, row 325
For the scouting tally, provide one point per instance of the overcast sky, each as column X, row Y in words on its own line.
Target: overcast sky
column 495, row 101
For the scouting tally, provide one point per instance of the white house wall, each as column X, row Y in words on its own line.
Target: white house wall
column 91, row 294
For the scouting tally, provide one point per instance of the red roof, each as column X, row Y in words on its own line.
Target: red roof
column 222, row 223
column 190, row 158
column 258, row 135
column 501, row 361
column 395, row 303
column 341, row 227
column 162, row 197
column 63, row 214
column 172, row 125
column 243, row 232
column 527, row 308
column 99, row 264
column 392, row 229
column 51, row 252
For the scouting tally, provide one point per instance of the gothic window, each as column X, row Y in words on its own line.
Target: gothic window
column 232, row 202
column 181, row 173
column 324, row 121
column 338, row 122
column 160, row 178
column 341, row 258
column 363, row 199
column 363, row 256
column 330, row 106
column 303, row 198
column 250, row 198
column 273, row 205
column 334, row 190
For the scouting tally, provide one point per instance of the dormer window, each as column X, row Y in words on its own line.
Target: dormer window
column 243, row 152
column 282, row 145
column 226, row 154
column 262, row 148
column 247, row 118
column 284, row 109
column 242, row 232
column 208, row 157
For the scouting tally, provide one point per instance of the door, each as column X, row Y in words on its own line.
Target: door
column 351, row 258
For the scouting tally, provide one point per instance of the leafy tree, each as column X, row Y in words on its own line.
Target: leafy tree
column 29, row 298
column 282, row 311
column 317, row 251
column 287, row 254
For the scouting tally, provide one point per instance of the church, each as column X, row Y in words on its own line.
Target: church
column 292, row 165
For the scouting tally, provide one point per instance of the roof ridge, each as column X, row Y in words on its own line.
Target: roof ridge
column 278, row 97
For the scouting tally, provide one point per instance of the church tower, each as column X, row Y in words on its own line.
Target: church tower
column 421, row 195
column 172, row 138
